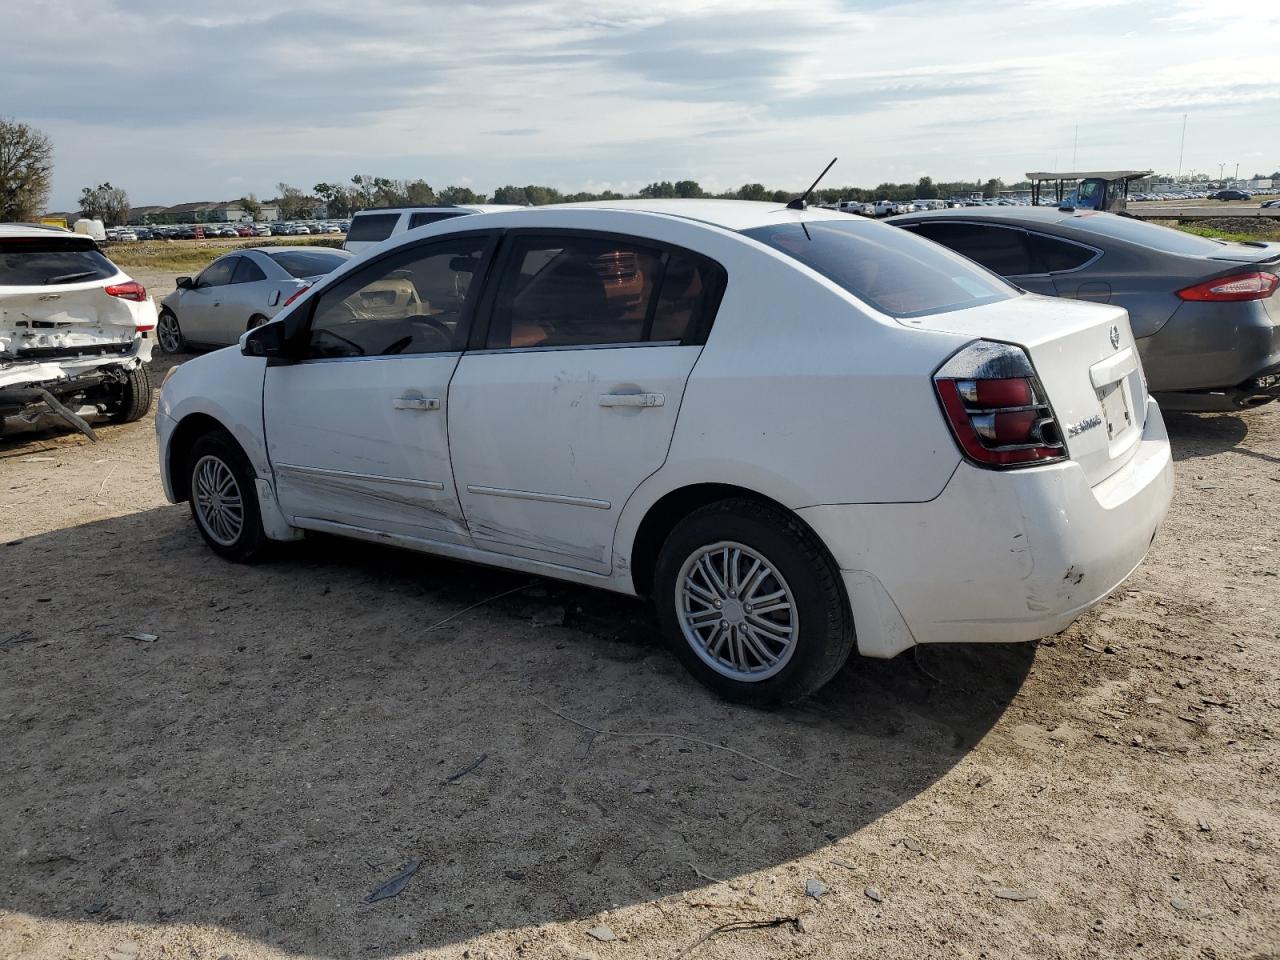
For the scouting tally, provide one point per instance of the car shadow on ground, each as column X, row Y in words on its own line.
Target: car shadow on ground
column 1195, row 435
column 299, row 731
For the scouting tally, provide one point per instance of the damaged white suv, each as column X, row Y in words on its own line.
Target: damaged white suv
column 74, row 331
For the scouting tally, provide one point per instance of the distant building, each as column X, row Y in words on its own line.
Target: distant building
column 204, row 211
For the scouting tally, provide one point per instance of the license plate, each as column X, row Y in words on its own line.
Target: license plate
column 1115, row 408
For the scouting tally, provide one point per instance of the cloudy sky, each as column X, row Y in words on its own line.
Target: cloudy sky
column 180, row 101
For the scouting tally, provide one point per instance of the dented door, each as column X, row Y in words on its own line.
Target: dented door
column 548, row 445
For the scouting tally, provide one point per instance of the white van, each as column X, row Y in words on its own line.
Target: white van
column 376, row 224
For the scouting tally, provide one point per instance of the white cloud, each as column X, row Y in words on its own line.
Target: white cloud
column 178, row 106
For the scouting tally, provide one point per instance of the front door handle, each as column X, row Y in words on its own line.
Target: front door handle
column 416, row 403
column 632, row 400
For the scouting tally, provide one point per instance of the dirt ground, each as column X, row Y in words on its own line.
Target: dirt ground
column 299, row 732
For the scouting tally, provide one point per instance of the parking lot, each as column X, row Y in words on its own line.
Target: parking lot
column 207, row 760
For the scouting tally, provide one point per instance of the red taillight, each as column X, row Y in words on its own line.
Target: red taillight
column 296, row 294
column 1239, row 286
column 996, row 407
column 132, row 290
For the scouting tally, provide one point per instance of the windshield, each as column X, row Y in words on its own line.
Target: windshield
column 41, row 261
column 305, row 263
column 891, row 270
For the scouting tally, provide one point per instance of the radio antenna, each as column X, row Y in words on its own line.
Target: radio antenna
column 800, row 202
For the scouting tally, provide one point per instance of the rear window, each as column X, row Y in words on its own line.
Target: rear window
column 306, row 263
column 1151, row 235
column 372, row 226
column 891, row 270
column 41, row 261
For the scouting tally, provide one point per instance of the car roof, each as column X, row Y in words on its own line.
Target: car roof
column 444, row 208
column 311, row 248
column 1039, row 215
column 734, row 215
column 35, row 230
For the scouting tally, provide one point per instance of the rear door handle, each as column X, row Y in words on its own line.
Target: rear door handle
column 632, row 400
column 416, row 403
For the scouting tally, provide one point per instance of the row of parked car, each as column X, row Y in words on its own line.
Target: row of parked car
column 188, row 231
column 675, row 398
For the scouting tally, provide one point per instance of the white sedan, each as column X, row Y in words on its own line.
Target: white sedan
column 800, row 432
column 239, row 291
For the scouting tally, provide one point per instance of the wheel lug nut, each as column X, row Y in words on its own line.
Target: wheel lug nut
column 747, row 608
column 719, row 604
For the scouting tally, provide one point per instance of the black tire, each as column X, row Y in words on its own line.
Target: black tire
column 135, row 396
column 168, row 316
column 251, row 543
column 826, row 636
column 256, row 321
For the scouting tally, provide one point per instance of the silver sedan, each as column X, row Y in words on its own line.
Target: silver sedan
column 239, row 291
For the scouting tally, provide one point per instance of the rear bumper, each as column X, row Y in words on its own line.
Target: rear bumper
column 997, row 557
column 1254, row 392
column 1211, row 348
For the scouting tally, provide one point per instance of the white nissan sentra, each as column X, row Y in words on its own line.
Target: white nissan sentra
column 796, row 430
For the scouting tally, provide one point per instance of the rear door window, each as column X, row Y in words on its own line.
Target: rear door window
column 1002, row 250
column 47, row 262
column 888, row 268
column 1054, row 255
column 576, row 291
column 247, row 272
column 372, row 227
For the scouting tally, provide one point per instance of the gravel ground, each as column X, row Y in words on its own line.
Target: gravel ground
column 300, row 732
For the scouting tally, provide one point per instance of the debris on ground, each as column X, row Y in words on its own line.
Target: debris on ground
column 141, row 637
column 601, row 933
column 816, row 889
column 1015, row 893
column 873, row 894
column 395, row 886
column 467, row 769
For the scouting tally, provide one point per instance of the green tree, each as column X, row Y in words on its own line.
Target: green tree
column 250, row 205
column 106, row 203
column 688, row 189
column 294, row 204
column 752, row 191
column 26, row 170
column 455, row 194
column 510, row 194
column 418, row 193
column 657, row 191
column 337, row 198
column 991, row 189
column 925, row 189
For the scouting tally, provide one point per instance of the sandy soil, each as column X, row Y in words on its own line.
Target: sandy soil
column 300, row 731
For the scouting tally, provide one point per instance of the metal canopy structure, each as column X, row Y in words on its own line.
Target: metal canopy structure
column 1110, row 188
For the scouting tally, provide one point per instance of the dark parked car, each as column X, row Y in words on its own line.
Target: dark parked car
column 1230, row 195
column 1205, row 313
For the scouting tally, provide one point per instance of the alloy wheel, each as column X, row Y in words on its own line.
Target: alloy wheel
column 167, row 333
column 737, row 611
column 218, row 500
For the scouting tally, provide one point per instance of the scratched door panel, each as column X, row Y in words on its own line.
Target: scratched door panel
column 548, row 445
column 358, row 442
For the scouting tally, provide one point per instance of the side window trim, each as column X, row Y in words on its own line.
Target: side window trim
column 1027, row 234
column 481, row 319
column 300, row 332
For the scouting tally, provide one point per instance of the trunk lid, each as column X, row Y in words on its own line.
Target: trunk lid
column 1085, row 357
column 70, row 320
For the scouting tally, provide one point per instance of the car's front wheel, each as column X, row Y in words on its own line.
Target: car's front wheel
column 224, row 501
column 751, row 603
column 168, row 333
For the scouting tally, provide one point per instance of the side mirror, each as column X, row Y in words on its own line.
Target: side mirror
column 269, row 340
column 186, row 283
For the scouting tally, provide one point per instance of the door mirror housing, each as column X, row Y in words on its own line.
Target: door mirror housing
column 270, row 340
column 185, row 283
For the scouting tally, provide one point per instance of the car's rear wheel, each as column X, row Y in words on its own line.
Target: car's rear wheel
column 256, row 321
column 135, row 396
column 224, row 502
column 169, row 333
column 751, row 603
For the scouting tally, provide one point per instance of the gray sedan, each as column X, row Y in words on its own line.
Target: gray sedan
column 1205, row 313
column 238, row 292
